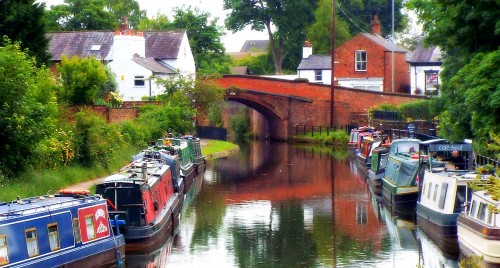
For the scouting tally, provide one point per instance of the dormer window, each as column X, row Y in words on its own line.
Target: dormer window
column 360, row 60
column 95, row 47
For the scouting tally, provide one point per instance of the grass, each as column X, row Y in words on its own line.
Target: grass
column 339, row 137
column 41, row 182
column 216, row 146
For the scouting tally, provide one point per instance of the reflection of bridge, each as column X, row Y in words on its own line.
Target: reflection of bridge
column 287, row 103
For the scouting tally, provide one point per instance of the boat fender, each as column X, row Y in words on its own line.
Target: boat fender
column 155, row 205
column 74, row 191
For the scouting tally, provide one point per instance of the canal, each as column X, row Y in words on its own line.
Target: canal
column 280, row 205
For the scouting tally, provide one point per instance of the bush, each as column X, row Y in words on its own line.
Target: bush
column 240, row 124
column 416, row 110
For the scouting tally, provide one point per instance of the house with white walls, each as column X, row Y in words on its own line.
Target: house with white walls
column 425, row 65
column 136, row 58
column 316, row 68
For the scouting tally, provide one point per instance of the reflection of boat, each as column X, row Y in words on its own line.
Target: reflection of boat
column 443, row 193
column 155, row 258
column 399, row 184
column 143, row 196
column 479, row 228
column 70, row 230
column 432, row 255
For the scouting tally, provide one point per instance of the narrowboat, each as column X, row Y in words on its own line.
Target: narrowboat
column 143, row 197
column 377, row 168
column 179, row 147
column 197, row 158
column 364, row 156
column 443, row 194
column 399, row 183
column 69, row 229
column 479, row 229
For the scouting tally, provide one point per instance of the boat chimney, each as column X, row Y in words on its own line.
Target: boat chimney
column 144, row 171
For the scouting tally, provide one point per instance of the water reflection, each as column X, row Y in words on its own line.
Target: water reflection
column 276, row 205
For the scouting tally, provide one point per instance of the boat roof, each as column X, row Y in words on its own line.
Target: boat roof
column 133, row 172
column 486, row 197
column 43, row 204
column 432, row 141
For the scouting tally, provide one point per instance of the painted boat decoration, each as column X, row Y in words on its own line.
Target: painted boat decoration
column 70, row 229
column 143, row 198
column 444, row 192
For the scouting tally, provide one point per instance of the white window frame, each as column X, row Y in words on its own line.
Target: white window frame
column 358, row 59
column 4, row 250
column 31, row 242
column 53, row 232
column 89, row 225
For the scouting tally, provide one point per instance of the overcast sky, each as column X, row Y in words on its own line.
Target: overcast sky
column 232, row 42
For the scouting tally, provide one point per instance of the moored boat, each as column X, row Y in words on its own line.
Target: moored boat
column 479, row 229
column 197, row 158
column 143, row 197
column 364, row 156
column 444, row 191
column 399, row 183
column 179, row 147
column 377, row 168
column 70, row 229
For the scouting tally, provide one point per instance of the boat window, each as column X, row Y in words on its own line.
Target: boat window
column 435, row 192
column 76, row 230
column 473, row 208
column 460, row 198
column 423, row 189
column 89, row 223
column 442, row 197
column 53, row 236
column 489, row 218
column 481, row 213
column 31, row 242
column 429, row 190
column 4, row 252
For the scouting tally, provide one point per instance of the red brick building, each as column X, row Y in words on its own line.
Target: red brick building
column 363, row 62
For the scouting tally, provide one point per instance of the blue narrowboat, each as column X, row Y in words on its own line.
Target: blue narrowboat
column 70, row 229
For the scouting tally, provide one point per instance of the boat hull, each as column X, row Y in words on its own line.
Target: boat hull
column 375, row 181
column 187, row 175
column 440, row 228
column 473, row 241
column 401, row 200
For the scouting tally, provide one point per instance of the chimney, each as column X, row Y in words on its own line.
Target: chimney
column 307, row 50
column 124, row 25
column 375, row 24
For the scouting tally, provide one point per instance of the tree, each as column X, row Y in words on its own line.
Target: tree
column 158, row 22
column 28, row 109
column 126, row 8
column 22, row 21
column 290, row 19
column 204, row 39
column 82, row 78
column 320, row 32
column 79, row 15
column 468, row 32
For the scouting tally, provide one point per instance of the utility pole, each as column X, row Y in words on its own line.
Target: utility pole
column 332, row 84
column 392, row 40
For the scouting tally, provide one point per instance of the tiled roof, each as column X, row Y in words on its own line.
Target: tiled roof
column 159, row 44
column 153, row 65
column 384, row 43
column 426, row 54
column 80, row 44
column 255, row 46
column 316, row 62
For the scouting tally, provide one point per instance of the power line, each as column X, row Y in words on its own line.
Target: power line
column 348, row 16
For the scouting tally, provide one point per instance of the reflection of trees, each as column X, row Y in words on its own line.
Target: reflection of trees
column 323, row 239
column 210, row 208
column 348, row 248
column 314, row 150
column 285, row 244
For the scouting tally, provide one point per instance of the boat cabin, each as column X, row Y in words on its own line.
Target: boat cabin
column 365, row 153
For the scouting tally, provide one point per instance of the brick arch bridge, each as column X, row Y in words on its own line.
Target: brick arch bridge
column 287, row 103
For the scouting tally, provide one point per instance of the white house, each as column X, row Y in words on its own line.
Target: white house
column 136, row 58
column 314, row 67
column 425, row 65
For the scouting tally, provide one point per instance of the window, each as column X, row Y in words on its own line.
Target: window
column 89, row 222
column 95, row 47
column 31, row 242
column 435, row 192
column 318, row 75
column 4, row 252
column 429, row 191
column 473, row 208
column 139, row 81
column 360, row 60
column 53, row 236
column 76, row 230
column 423, row 189
column 442, row 197
column 481, row 214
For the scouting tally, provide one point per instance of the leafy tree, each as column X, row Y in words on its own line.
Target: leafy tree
column 158, row 22
column 79, row 15
column 290, row 19
column 320, row 32
column 204, row 39
column 28, row 109
column 81, row 78
column 126, row 8
column 260, row 64
column 22, row 21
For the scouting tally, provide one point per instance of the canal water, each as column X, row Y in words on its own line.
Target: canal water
column 280, row 205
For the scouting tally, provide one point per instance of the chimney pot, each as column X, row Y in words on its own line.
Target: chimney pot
column 375, row 25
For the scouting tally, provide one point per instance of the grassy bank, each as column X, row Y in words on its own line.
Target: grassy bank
column 338, row 138
column 41, row 182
